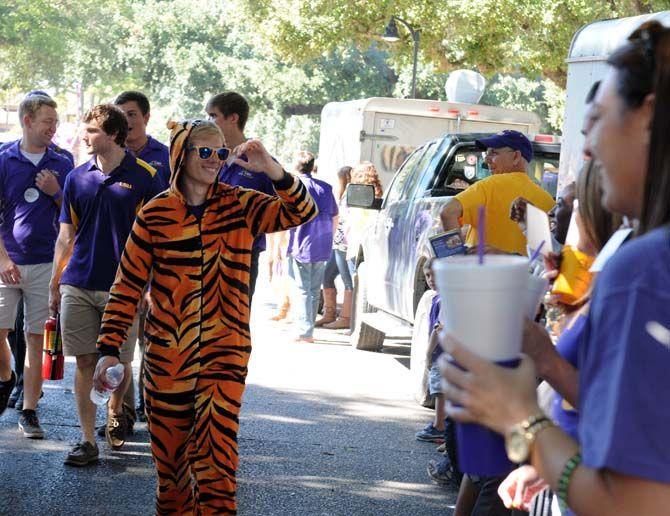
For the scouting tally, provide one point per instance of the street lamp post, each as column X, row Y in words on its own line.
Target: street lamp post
column 391, row 35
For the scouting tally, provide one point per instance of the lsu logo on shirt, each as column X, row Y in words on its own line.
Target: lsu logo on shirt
column 156, row 164
column 125, row 185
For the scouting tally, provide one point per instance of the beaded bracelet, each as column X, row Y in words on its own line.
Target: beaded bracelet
column 564, row 479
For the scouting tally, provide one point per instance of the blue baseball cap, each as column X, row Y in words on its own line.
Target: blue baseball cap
column 37, row 92
column 508, row 138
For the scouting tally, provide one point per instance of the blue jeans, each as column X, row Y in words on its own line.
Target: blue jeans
column 338, row 265
column 307, row 278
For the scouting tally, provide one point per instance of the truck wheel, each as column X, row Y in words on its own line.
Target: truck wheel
column 363, row 336
column 420, row 338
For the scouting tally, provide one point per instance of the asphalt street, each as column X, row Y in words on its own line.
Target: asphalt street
column 325, row 430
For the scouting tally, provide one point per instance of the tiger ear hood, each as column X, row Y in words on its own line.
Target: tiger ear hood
column 179, row 133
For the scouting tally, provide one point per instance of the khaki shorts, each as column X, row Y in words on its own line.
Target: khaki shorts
column 80, row 317
column 34, row 287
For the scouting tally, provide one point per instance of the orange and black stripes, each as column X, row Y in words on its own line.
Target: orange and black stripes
column 197, row 330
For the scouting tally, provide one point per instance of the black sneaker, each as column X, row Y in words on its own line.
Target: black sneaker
column 6, row 391
column 116, row 430
column 141, row 416
column 443, row 473
column 16, row 394
column 82, row 454
column 30, row 425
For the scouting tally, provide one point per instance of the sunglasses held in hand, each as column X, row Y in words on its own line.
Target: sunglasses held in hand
column 206, row 152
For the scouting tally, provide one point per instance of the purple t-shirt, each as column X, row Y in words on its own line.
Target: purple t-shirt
column 624, row 374
column 52, row 146
column 567, row 346
column 102, row 209
column 236, row 175
column 313, row 241
column 158, row 156
column 433, row 319
column 29, row 216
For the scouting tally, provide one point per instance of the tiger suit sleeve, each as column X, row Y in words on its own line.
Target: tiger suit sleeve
column 129, row 283
column 292, row 207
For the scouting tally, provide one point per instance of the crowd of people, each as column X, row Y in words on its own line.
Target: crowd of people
column 160, row 246
column 583, row 414
column 155, row 246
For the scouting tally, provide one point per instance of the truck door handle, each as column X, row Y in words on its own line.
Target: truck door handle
column 388, row 224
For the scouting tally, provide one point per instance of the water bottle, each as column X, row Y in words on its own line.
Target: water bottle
column 114, row 378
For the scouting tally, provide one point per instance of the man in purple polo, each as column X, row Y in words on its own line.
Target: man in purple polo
column 16, row 338
column 135, row 105
column 100, row 201
column 230, row 112
column 32, row 177
column 309, row 248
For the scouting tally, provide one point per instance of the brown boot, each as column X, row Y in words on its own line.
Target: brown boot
column 344, row 320
column 329, row 307
column 283, row 310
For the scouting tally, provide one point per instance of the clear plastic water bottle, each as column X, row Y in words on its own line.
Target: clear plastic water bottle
column 114, row 378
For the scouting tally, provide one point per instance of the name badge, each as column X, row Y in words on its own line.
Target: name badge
column 31, row 195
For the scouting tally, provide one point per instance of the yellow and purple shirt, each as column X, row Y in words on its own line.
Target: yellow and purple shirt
column 102, row 208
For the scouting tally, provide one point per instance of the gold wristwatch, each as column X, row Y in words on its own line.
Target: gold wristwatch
column 519, row 440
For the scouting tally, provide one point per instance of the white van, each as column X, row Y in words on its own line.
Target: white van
column 386, row 130
column 587, row 63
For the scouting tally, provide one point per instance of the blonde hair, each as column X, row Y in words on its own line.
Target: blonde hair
column 205, row 128
column 365, row 173
column 32, row 104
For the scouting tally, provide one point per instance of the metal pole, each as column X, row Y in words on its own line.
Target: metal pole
column 415, row 37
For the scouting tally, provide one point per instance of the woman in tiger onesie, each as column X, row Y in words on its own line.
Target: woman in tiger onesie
column 192, row 244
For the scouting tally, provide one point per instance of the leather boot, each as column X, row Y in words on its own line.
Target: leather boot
column 283, row 310
column 344, row 320
column 329, row 307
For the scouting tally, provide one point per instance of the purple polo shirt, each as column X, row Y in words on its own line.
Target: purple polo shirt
column 29, row 217
column 52, row 146
column 624, row 359
column 313, row 242
column 236, row 175
column 102, row 209
column 158, row 156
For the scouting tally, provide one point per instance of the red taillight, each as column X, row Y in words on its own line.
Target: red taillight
column 544, row 138
column 454, row 112
column 473, row 113
column 434, row 109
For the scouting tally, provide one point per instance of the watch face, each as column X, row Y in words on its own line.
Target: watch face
column 516, row 446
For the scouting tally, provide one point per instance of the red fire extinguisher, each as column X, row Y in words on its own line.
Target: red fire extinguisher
column 53, row 361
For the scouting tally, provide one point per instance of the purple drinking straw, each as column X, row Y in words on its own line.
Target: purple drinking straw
column 481, row 234
column 537, row 252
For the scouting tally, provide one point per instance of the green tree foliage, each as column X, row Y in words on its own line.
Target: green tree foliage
column 290, row 57
column 493, row 36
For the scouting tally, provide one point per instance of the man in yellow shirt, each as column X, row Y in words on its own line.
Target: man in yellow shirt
column 507, row 156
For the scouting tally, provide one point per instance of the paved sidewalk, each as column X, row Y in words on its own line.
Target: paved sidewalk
column 325, row 430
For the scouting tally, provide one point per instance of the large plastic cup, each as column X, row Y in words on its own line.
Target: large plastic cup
column 536, row 289
column 484, row 307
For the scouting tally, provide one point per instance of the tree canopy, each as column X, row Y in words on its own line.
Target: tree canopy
column 290, row 57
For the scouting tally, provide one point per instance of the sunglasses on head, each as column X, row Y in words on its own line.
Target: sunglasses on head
column 206, row 152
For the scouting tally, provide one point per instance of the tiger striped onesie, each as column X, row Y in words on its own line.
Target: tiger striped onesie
column 197, row 330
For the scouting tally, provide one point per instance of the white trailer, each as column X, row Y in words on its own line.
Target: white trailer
column 587, row 63
column 386, row 130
